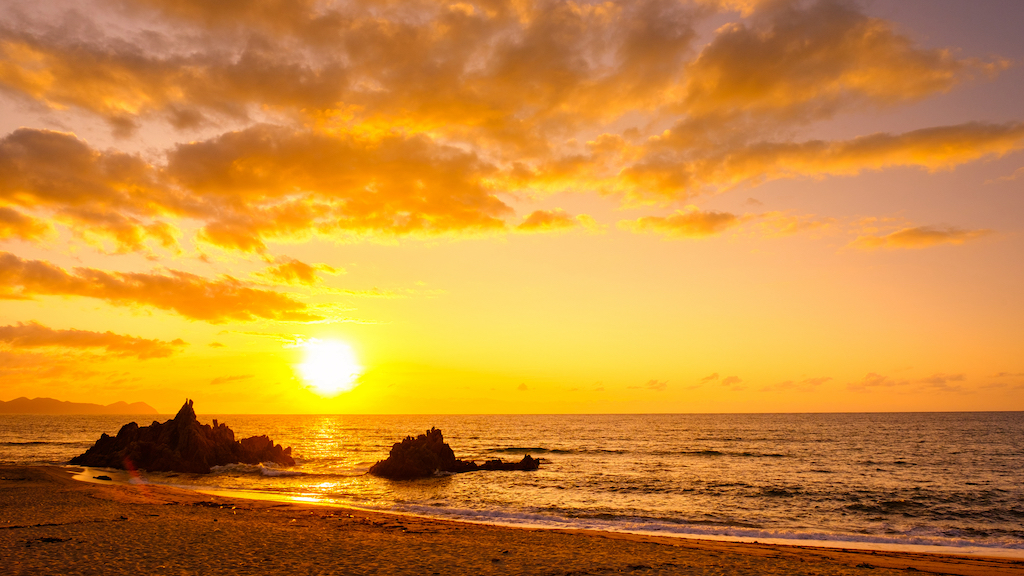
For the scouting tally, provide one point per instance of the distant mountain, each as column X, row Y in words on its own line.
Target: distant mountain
column 50, row 406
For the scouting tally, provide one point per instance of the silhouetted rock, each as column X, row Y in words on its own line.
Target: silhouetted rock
column 180, row 445
column 428, row 454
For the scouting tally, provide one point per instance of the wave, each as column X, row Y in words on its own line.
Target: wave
column 42, row 443
column 261, row 469
column 272, row 471
column 887, row 507
column 672, row 527
column 709, row 452
column 529, row 450
column 540, row 450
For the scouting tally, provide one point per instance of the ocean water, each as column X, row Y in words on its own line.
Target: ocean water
column 951, row 480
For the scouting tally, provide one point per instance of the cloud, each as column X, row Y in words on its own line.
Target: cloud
column 125, row 83
column 804, row 60
column 34, row 335
column 552, row 220
column 773, row 224
column 249, row 186
column 522, row 387
column 709, row 378
column 1018, row 173
column 194, row 297
column 224, row 379
column 692, row 223
column 936, row 382
column 505, row 72
column 295, row 272
column 919, row 237
column 805, row 385
column 99, row 196
column 14, row 224
column 942, row 382
column 272, row 182
column 658, row 385
column 874, row 381
column 382, row 120
column 58, row 170
column 33, row 368
column 731, row 380
column 672, row 167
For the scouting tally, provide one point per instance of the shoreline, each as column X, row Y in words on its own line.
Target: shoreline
column 122, row 476
column 55, row 522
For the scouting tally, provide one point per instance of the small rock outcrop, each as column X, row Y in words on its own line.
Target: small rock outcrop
column 180, row 445
column 428, row 454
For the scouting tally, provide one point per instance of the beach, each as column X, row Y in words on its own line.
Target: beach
column 53, row 524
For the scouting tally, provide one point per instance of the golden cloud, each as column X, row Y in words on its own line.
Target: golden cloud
column 35, row 335
column 14, row 224
column 805, row 385
column 268, row 182
column 671, row 171
column 280, row 15
column 919, row 237
column 554, row 220
column 57, row 170
column 99, row 196
column 691, row 223
column 225, row 379
column 806, row 60
column 933, row 383
column 262, row 183
column 415, row 119
column 295, row 272
column 194, row 297
column 504, row 73
column 124, row 85
column 782, row 224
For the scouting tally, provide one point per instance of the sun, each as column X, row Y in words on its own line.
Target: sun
column 330, row 366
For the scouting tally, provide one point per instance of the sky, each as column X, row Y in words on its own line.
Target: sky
column 524, row 206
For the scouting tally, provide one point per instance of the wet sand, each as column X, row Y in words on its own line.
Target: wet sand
column 52, row 524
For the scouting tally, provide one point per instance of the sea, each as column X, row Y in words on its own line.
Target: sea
column 941, row 482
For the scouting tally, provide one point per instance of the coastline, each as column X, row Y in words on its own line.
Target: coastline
column 54, row 523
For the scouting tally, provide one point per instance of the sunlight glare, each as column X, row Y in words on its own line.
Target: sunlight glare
column 330, row 366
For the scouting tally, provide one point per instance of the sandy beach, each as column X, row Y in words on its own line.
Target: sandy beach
column 53, row 524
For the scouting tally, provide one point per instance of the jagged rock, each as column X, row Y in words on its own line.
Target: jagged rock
column 180, row 445
column 428, row 454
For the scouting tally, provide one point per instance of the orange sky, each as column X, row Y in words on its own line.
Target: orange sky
column 524, row 206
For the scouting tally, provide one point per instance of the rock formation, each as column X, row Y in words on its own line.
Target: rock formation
column 180, row 445
column 428, row 454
